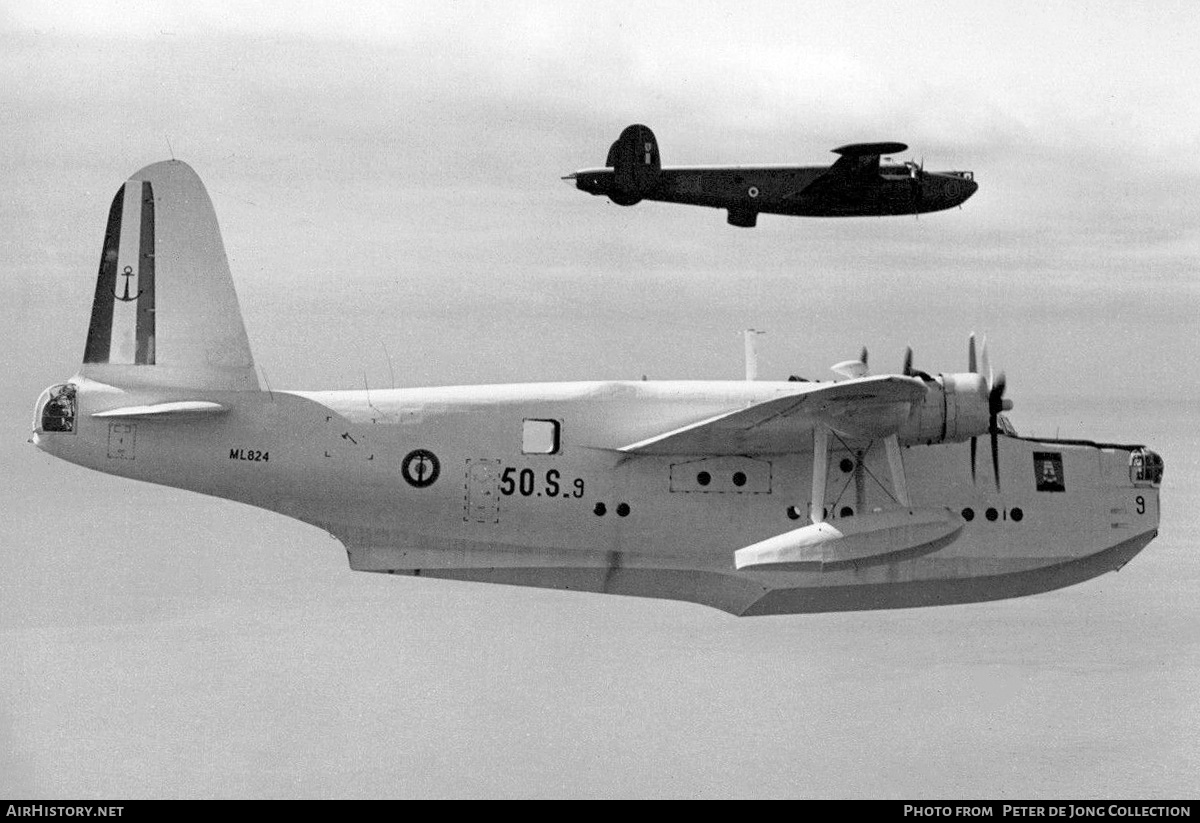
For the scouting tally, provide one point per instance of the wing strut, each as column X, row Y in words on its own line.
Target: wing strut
column 896, row 464
column 820, row 466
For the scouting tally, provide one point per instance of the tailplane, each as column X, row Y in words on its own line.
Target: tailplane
column 165, row 312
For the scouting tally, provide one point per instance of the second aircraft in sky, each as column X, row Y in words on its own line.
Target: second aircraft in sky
column 857, row 185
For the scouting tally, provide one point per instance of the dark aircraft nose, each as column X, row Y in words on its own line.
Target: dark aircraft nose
column 959, row 186
column 945, row 190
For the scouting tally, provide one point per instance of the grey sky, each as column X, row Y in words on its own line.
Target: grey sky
column 386, row 177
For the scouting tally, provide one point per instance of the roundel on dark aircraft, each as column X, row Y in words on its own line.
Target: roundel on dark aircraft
column 420, row 468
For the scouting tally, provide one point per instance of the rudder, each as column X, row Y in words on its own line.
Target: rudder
column 165, row 312
column 636, row 164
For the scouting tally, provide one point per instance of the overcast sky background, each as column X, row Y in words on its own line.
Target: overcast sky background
column 386, row 177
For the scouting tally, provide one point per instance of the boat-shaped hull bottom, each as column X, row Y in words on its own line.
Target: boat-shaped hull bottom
column 745, row 596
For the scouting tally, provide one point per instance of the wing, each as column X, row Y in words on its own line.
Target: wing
column 863, row 409
column 856, row 170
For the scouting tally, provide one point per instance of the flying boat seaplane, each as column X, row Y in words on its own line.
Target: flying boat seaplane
column 753, row 496
column 857, row 185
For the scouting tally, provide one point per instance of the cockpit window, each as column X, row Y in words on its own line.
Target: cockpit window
column 56, row 409
column 1145, row 468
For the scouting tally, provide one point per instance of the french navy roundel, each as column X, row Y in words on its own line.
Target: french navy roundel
column 420, row 468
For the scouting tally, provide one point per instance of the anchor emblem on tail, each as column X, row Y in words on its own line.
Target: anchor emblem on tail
column 127, row 273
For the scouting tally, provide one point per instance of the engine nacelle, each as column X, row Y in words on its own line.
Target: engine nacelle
column 955, row 409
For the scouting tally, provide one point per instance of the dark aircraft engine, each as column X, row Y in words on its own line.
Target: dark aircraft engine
column 955, row 409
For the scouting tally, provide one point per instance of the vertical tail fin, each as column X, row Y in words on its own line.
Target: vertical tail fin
column 165, row 311
column 636, row 163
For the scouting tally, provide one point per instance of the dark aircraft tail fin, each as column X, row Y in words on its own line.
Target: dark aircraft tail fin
column 165, row 313
column 636, row 164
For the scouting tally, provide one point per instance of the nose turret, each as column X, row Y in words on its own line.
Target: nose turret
column 955, row 187
column 1145, row 468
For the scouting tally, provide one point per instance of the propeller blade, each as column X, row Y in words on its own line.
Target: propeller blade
column 996, row 395
column 996, row 455
column 974, row 449
column 908, row 361
column 984, row 366
column 971, row 365
column 863, row 356
column 996, row 404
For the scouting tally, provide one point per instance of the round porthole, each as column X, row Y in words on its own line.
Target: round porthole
column 991, row 514
column 846, row 511
column 739, row 479
column 623, row 509
column 703, row 478
column 600, row 509
column 1017, row 515
column 968, row 514
column 847, row 465
column 793, row 513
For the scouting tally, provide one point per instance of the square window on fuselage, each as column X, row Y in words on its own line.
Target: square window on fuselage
column 540, row 437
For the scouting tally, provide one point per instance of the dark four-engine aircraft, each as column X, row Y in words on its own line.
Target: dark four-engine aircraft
column 857, row 185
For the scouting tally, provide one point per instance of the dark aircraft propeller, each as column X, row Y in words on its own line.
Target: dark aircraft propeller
column 916, row 174
column 996, row 404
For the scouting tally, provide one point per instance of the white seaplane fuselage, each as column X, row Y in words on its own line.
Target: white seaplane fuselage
column 754, row 497
column 529, row 485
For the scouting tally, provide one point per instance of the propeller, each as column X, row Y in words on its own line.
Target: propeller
column 997, row 403
column 916, row 173
column 995, row 406
column 909, row 371
column 852, row 368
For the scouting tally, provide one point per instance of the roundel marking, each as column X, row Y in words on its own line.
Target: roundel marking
column 752, row 191
column 952, row 189
column 420, row 468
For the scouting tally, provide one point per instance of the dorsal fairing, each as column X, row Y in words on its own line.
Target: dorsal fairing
column 165, row 312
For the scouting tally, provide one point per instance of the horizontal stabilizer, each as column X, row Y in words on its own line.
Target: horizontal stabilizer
column 174, row 409
column 854, row 149
column 876, row 537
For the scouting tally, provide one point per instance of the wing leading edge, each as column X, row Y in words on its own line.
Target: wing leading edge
column 867, row 408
